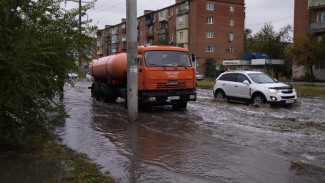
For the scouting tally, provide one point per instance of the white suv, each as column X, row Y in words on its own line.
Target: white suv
column 252, row 87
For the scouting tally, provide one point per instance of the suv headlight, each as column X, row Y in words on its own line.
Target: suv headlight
column 272, row 90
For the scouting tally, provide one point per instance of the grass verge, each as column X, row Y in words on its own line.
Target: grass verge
column 46, row 160
column 312, row 91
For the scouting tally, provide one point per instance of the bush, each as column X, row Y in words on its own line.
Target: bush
column 308, row 78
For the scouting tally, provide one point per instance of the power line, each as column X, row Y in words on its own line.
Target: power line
column 150, row 1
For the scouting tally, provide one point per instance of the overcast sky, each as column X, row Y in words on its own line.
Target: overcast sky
column 258, row 12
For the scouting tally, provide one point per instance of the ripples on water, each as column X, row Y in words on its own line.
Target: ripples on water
column 208, row 142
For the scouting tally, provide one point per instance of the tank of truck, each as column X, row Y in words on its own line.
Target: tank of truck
column 111, row 68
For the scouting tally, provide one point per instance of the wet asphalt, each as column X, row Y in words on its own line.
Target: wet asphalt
column 208, row 142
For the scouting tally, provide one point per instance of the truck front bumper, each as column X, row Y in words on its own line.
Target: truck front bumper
column 166, row 97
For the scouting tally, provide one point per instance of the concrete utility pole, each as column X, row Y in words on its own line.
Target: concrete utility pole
column 132, row 66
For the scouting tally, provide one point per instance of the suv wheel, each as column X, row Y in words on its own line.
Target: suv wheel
column 258, row 99
column 220, row 96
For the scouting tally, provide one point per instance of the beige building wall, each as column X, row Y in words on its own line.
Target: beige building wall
column 182, row 36
column 182, row 22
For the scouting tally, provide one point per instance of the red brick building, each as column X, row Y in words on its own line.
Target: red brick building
column 210, row 29
column 309, row 18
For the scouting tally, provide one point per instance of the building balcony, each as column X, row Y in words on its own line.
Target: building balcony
column 183, row 12
column 316, row 3
column 115, row 41
column 149, row 35
column 99, row 43
column 123, row 39
column 317, row 27
column 148, row 22
column 163, row 31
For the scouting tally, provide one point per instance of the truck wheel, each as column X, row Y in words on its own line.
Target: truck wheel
column 180, row 105
column 103, row 93
column 95, row 91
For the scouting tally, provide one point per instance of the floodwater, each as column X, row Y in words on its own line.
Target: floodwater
column 208, row 142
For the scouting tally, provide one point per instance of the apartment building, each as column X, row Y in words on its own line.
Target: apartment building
column 309, row 18
column 210, row 29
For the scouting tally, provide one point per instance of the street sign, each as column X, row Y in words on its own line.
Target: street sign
column 217, row 67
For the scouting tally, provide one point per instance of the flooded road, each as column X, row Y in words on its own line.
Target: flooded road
column 208, row 142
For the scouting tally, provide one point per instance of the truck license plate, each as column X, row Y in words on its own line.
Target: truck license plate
column 290, row 101
column 173, row 98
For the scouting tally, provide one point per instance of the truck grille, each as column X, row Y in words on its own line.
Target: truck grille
column 171, row 84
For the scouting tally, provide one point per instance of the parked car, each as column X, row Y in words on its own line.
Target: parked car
column 199, row 76
column 89, row 77
column 252, row 87
column 73, row 76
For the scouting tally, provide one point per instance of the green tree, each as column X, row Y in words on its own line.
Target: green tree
column 40, row 42
column 162, row 41
column 210, row 70
column 272, row 43
column 308, row 51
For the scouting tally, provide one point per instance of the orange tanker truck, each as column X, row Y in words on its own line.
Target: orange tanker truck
column 166, row 76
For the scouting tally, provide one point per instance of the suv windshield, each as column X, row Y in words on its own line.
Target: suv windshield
column 261, row 78
column 167, row 59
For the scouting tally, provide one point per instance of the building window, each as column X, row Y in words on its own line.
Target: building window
column 171, row 25
column 180, row 20
column 230, row 49
column 321, row 17
column 210, row 6
column 231, row 36
column 209, row 34
column 232, row 8
column 162, row 13
column 176, row 11
column 185, row 7
column 231, row 22
column 171, row 37
column 180, row 35
column 171, row 12
column 209, row 20
column 319, row 38
column 208, row 48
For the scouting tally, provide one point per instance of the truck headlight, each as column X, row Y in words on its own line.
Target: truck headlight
column 192, row 97
column 272, row 90
column 150, row 99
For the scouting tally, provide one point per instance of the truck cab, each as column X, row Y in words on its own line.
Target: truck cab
column 165, row 76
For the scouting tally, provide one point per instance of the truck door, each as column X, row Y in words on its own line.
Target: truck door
column 141, row 73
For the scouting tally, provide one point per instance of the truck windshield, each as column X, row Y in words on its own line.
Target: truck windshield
column 167, row 59
column 261, row 78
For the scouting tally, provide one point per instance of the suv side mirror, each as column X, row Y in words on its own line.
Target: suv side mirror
column 246, row 82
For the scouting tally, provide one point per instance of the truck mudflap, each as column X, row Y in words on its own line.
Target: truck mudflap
column 166, row 97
